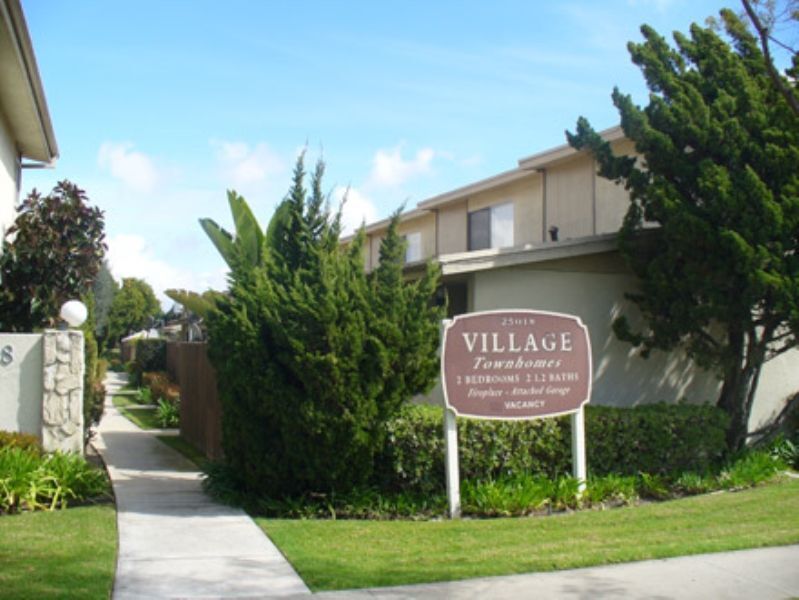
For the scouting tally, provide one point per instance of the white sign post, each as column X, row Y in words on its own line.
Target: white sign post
column 514, row 365
column 453, row 470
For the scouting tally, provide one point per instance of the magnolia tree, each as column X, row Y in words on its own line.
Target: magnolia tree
column 51, row 253
column 716, row 171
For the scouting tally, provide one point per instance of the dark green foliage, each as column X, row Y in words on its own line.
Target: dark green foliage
column 520, row 494
column 134, row 307
column 167, row 413
column 312, row 355
column 150, row 355
column 657, row 438
column 718, row 147
column 104, row 291
column 94, row 372
column 786, row 450
column 50, row 254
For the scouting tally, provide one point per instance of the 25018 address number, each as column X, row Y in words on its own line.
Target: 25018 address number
column 6, row 355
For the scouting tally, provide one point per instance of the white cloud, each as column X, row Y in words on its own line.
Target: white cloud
column 357, row 209
column 135, row 169
column 389, row 168
column 243, row 165
column 130, row 256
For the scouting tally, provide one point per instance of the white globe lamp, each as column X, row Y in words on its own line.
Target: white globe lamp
column 74, row 313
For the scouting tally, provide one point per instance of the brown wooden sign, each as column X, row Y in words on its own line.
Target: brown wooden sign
column 516, row 364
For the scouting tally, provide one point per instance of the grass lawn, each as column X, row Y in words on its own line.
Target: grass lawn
column 141, row 416
column 185, row 448
column 63, row 554
column 352, row 554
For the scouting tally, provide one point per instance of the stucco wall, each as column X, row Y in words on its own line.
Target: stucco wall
column 593, row 288
column 21, row 383
column 526, row 196
column 426, row 225
column 8, row 177
column 452, row 228
column 41, row 387
column 570, row 196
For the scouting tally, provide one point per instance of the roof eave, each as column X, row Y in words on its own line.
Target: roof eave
column 544, row 159
column 40, row 145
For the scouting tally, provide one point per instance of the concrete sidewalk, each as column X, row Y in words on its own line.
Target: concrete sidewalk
column 174, row 542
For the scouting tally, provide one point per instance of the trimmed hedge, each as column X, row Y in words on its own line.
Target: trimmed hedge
column 656, row 438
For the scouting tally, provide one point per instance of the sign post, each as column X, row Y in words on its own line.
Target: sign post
column 453, row 470
column 514, row 364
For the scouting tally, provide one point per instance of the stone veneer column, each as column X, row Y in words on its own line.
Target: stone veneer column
column 62, row 403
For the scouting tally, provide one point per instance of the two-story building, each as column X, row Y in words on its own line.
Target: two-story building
column 26, row 133
column 543, row 236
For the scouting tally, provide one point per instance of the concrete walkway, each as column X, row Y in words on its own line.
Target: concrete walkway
column 174, row 542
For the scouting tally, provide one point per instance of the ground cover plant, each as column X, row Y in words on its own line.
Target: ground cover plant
column 139, row 406
column 341, row 554
column 33, row 480
column 65, row 554
column 519, row 494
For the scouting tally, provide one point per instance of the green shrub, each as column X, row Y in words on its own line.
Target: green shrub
column 312, row 354
column 167, row 413
column 24, row 441
column 611, row 488
column 30, row 480
column 505, row 497
column 413, row 457
column 150, row 355
column 786, row 450
column 144, row 395
column 692, row 483
column 654, row 486
column 657, row 439
column 752, row 469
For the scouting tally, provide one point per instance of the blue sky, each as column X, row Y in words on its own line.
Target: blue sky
column 159, row 107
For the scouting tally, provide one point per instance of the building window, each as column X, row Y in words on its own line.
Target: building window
column 491, row 227
column 413, row 251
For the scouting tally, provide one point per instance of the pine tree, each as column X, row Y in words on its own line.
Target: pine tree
column 313, row 355
column 716, row 171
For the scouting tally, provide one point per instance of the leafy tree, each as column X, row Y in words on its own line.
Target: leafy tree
column 103, row 291
column 312, row 354
column 718, row 148
column 93, row 388
column 134, row 307
column 51, row 253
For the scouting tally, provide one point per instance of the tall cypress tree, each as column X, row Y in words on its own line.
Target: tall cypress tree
column 716, row 171
column 313, row 355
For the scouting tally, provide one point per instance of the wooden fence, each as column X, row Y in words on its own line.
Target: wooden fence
column 200, row 410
